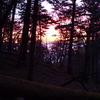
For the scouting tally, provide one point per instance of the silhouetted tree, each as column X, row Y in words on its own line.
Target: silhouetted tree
column 91, row 52
column 11, row 30
column 4, row 18
column 23, row 50
column 33, row 40
column 69, row 70
column 1, row 14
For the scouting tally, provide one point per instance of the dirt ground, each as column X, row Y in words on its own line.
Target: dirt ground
column 43, row 73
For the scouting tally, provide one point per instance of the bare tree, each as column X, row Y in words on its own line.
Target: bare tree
column 33, row 40
column 69, row 70
column 4, row 17
column 12, row 23
column 23, row 50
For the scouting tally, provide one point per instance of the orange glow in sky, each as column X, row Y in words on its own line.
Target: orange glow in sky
column 51, row 35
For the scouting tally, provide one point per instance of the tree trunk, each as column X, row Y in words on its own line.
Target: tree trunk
column 89, row 61
column 4, row 18
column 23, row 50
column 69, row 70
column 86, row 70
column 11, row 31
column 97, row 58
column 0, row 38
column 1, row 15
column 7, row 13
column 33, row 40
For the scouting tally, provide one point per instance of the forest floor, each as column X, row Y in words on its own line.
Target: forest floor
column 43, row 73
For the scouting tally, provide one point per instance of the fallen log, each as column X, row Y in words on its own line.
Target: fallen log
column 13, row 87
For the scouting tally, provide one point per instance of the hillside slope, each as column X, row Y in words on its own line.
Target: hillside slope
column 43, row 73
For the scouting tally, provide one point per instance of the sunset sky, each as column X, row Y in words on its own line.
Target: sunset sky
column 51, row 34
column 51, row 31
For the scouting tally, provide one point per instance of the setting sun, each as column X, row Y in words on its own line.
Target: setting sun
column 51, row 35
